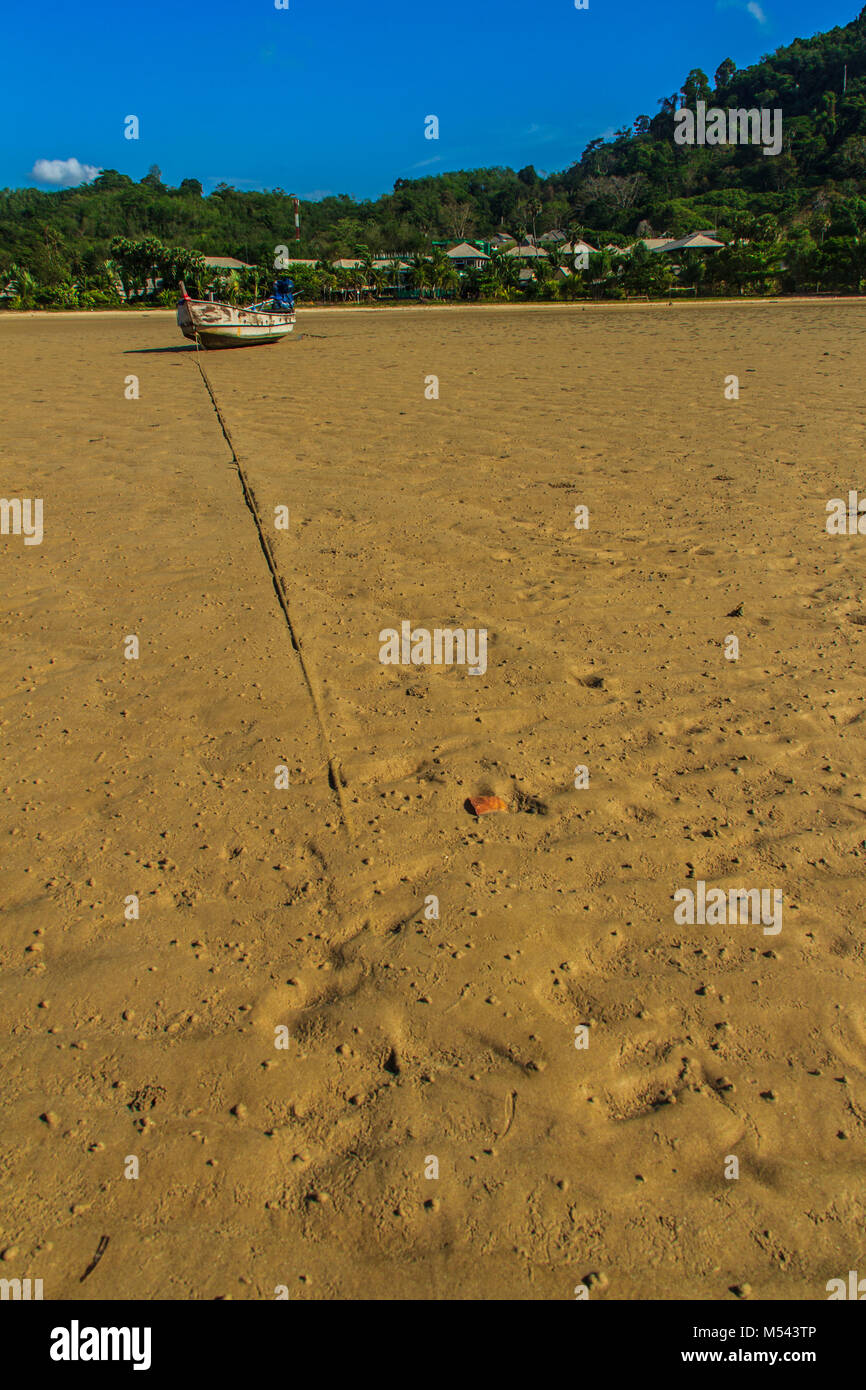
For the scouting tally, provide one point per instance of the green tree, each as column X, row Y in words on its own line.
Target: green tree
column 445, row 276
column 419, row 275
column 24, row 287
column 696, row 88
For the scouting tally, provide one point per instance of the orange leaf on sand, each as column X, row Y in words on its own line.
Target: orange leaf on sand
column 483, row 805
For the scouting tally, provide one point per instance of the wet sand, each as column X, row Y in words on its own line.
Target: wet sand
column 301, row 914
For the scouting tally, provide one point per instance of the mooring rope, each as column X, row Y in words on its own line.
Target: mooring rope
column 282, row 598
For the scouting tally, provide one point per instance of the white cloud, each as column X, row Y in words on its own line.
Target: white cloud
column 751, row 7
column 63, row 173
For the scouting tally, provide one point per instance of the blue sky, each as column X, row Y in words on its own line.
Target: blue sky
column 330, row 96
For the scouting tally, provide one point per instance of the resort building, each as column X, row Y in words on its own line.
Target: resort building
column 466, row 257
column 695, row 241
column 528, row 252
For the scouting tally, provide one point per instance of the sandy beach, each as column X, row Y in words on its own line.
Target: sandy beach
column 288, row 1039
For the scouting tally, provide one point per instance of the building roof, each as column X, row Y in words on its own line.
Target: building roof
column 226, row 263
column 572, row 247
column 465, row 252
column 698, row 241
column 527, row 252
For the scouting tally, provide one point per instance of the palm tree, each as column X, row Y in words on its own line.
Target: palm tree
column 24, row 287
column 419, row 274
column 365, row 256
column 446, row 277
column 545, row 268
column 390, row 274
column 375, row 279
column 505, row 271
column 357, row 280
column 436, row 266
column 693, row 268
column 342, row 280
column 557, row 257
column 576, row 232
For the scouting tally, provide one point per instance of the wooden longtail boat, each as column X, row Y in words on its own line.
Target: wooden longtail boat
column 226, row 325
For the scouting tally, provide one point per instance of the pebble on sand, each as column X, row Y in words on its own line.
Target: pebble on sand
column 484, row 805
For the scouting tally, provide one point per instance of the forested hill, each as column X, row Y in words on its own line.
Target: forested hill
column 639, row 181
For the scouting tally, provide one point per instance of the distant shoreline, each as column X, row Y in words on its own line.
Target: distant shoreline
column 594, row 305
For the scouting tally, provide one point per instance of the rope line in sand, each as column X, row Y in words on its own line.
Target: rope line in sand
column 282, row 598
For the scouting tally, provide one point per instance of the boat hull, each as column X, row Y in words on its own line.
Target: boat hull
column 225, row 325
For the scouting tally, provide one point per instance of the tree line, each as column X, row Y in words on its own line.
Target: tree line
column 793, row 221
